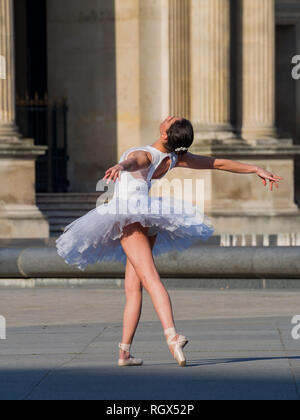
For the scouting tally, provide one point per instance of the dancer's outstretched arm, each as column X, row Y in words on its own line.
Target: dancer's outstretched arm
column 192, row 161
column 136, row 161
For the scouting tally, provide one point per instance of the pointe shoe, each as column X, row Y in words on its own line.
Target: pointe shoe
column 132, row 361
column 176, row 344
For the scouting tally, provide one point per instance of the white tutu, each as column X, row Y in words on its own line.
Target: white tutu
column 95, row 237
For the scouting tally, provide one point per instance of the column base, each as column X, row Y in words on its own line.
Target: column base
column 9, row 133
column 214, row 132
column 240, row 204
column 255, row 134
column 19, row 216
column 256, row 224
column 237, row 148
column 22, row 222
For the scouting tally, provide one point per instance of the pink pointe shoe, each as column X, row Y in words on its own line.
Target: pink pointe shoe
column 176, row 343
column 132, row 361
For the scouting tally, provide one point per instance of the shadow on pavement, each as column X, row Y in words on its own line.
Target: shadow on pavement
column 193, row 363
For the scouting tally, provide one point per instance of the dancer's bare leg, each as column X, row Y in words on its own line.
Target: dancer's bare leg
column 133, row 307
column 138, row 250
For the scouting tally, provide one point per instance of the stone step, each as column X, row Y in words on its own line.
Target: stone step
column 63, row 209
column 68, row 198
column 61, row 220
column 66, row 206
column 71, row 213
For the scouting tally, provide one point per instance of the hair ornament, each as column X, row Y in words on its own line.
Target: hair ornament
column 181, row 149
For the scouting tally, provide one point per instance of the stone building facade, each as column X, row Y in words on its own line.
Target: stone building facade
column 124, row 65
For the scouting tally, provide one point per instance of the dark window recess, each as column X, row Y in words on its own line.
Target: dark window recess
column 46, row 123
column 37, row 118
column 286, row 100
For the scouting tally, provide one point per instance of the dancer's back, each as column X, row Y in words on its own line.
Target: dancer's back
column 142, row 180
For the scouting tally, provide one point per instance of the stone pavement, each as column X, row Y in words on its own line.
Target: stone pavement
column 62, row 344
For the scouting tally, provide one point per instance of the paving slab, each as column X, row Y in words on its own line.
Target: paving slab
column 246, row 354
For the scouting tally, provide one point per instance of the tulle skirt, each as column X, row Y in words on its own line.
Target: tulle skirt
column 95, row 237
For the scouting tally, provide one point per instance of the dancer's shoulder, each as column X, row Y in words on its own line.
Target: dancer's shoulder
column 140, row 153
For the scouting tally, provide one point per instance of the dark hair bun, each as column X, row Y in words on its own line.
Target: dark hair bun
column 180, row 137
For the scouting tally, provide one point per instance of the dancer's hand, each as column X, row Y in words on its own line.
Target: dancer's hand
column 268, row 176
column 114, row 173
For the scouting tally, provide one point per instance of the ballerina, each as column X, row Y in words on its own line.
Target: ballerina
column 136, row 233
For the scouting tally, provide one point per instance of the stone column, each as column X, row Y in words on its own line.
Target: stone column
column 19, row 216
column 256, row 69
column 210, row 72
column 179, row 41
column 8, row 129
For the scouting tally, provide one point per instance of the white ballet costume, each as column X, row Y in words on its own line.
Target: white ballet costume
column 95, row 237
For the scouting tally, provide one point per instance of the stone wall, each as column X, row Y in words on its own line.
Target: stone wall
column 82, row 67
column 126, row 64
